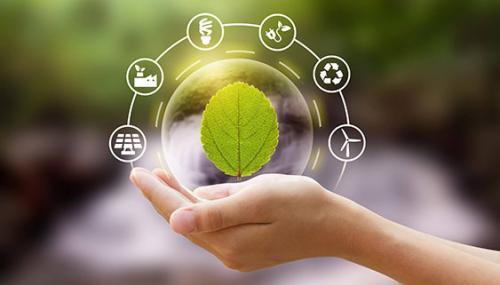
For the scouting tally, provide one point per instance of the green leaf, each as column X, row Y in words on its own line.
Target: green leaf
column 239, row 129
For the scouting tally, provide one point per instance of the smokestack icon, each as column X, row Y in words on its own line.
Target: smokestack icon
column 205, row 29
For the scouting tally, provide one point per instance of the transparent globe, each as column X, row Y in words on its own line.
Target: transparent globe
column 181, row 143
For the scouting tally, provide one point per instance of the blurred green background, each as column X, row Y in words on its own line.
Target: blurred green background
column 70, row 55
column 426, row 75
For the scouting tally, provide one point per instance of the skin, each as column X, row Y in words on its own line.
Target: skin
column 274, row 219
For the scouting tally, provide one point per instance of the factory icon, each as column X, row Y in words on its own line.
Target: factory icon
column 149, row 81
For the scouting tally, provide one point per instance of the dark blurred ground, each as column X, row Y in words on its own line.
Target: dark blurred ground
column 425, row 90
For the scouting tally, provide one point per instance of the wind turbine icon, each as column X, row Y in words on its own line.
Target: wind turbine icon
column 347, row 142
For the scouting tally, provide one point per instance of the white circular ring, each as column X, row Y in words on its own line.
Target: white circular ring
column 294, row 32
column 189, row 36
column 362, row 138
column 314, row 77
column 110, row 143
column 337, row 89
column 130, row 85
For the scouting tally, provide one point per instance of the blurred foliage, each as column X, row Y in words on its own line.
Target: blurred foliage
column 68, row 57
column 433, row 65
column 425, row 75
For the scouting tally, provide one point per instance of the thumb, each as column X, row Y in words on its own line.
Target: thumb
column 212, row 216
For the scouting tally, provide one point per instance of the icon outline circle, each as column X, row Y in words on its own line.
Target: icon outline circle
column 294, row 28
column 160, row 84
column 324, row 60
column 111, row 142
column 363, row 139
column 188, row 34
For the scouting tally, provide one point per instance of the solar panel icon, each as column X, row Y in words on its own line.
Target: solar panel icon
column 127, row 143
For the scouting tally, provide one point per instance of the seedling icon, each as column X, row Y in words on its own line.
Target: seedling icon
column 140, row 70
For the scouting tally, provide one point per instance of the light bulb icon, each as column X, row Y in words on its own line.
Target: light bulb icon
column 205, row 29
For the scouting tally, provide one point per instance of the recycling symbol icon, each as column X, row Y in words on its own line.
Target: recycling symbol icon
column 334, row 69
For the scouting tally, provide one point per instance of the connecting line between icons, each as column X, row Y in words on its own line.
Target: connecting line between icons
column 344, row 165
column 241, row 25
column 258, row 26
column 345, row 107
column 170, row 48
column 340, row 176
column 308, row 49
column 131, row 108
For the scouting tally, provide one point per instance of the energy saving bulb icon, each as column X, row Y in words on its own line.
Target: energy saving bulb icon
column 205, row 29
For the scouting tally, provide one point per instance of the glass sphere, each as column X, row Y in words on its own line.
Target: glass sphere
column 181, row 125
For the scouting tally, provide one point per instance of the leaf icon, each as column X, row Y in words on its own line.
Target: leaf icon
column 285, row 28
column 138, row 68
column 279, row 24
column 239, row 129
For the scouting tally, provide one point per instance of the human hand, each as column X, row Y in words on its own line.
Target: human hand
column 265, row 221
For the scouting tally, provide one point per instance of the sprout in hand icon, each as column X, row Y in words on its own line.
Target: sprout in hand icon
column 205, row 29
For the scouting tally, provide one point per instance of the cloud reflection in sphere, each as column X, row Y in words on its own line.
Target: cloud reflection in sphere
column 181, row 143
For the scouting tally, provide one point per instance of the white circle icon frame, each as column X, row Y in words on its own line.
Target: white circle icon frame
column 188, row 34
column 363, row 140
column 133, row 88
column 294, row 28
column 318, row 59
column 322, row 60
column 110, row 143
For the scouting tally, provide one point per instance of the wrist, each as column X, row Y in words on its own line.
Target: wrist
column 351, row 229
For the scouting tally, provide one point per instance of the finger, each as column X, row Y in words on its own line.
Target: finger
column 164, row 198
column 219, row 191
column 215, row 215
column 171, row 181
column 167, row 177
column 214, row 192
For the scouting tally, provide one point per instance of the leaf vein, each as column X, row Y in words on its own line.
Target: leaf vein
column 261, row 146
column 218, row 149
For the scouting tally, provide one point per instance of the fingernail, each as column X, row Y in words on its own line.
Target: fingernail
column 183, row 221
